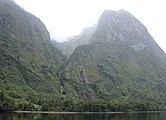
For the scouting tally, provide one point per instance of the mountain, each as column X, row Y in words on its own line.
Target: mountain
column 120, row 61
column 28, row 59
column 114, row 65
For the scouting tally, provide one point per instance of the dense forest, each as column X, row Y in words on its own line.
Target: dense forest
column 39, row 103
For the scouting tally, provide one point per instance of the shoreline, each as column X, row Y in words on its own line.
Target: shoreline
column 54, row 112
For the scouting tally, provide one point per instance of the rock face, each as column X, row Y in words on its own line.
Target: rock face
column 125, row 27
column 28, row 60
column 121, row 60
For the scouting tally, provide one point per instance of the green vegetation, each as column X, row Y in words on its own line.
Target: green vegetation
column 28, row 60
column 100, row 106
column 39, row 103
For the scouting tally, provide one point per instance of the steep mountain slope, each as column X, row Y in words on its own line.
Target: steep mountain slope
column 28, row 60
column 120, row 61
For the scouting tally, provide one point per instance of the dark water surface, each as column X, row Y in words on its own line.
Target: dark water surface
column 103, row 116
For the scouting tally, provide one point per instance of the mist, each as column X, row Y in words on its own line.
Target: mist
column 68, row 18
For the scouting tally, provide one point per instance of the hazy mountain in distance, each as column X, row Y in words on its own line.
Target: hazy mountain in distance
column 69, row 46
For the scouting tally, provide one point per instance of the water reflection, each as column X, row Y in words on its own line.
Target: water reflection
column 122, row 116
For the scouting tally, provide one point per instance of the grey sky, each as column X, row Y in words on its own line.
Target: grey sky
column 64, row 18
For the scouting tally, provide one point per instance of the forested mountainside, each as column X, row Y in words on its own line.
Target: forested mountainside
column 120, row 61
column 28, row 59
column 114, row 63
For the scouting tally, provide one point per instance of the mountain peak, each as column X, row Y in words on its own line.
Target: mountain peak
column 120, row 21
column 122, row 25
column 115, row 12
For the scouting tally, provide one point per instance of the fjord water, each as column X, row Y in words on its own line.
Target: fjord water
column 105, row 116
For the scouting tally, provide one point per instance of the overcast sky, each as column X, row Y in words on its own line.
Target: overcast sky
column 64, row 18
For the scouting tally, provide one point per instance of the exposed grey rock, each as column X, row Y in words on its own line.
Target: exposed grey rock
column 139, row 46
